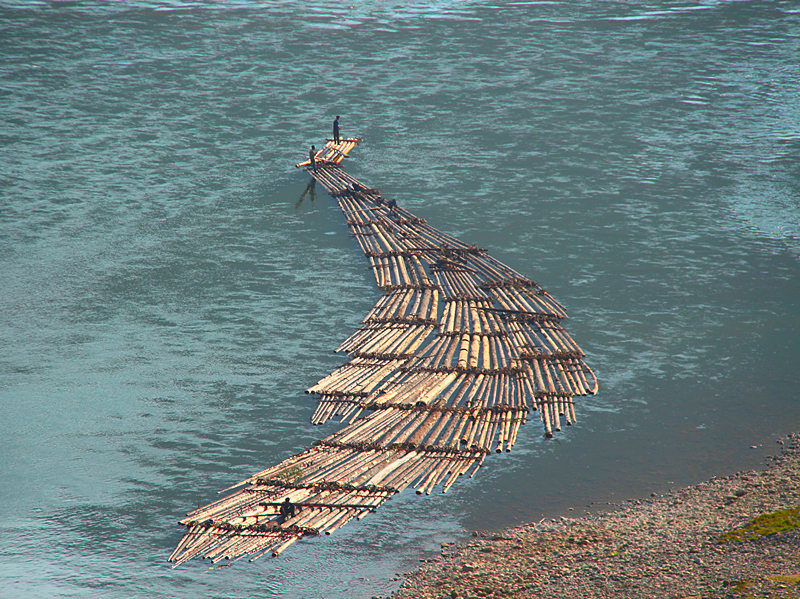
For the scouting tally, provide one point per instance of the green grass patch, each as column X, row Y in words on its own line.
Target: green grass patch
column 765, row 524
column 742, row 586
column 790, row 579
column 770, row 587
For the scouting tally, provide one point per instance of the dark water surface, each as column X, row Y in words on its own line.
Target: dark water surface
column 168, row 292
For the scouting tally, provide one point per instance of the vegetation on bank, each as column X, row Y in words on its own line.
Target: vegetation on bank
column 763, row 525
column 771, row 587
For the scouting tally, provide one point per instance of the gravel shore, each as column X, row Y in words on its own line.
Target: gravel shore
column 665, row 546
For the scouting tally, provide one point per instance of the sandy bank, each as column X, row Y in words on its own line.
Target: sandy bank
column 666, row 546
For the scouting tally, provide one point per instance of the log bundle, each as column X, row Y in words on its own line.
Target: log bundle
column 443, row 370
column 332, row 153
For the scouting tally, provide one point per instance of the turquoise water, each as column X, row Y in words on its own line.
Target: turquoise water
column 170, row 289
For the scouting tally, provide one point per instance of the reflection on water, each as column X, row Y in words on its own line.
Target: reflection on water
column 172, row 285
column 309, row 192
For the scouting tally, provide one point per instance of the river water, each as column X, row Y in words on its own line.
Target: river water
column 170, row 287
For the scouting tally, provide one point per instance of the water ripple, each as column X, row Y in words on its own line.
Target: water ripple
column 171, row 287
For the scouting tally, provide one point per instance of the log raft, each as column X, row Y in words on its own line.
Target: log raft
column 443, row 370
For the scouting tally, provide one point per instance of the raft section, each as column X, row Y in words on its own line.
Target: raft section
column 444, row 370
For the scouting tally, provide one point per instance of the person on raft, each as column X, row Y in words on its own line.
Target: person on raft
column 312, row 157
column 336, row 130
column 287, row 511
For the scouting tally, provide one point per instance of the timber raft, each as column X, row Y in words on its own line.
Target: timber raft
column 442, row 372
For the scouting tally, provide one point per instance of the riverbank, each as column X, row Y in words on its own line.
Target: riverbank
column 672, row 545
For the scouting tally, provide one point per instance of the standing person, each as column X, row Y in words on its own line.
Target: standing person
column 336, row 130
column 312, row 157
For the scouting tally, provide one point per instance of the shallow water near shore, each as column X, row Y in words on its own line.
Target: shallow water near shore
column 170, row 287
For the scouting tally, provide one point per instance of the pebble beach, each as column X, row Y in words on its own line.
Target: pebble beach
column 728, row 537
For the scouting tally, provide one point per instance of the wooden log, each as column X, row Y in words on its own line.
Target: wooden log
column 405, row 474
column 461, row 469
column 283, row 546
column 474, row 351
column 463, row 352
column 443, row 420
column 389, row 468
